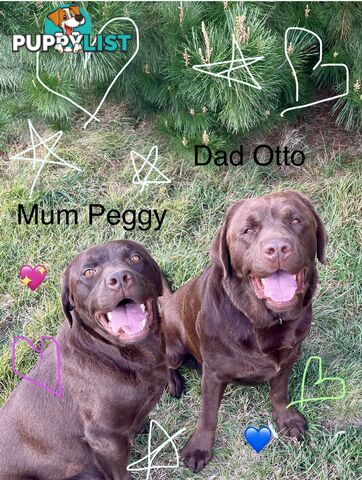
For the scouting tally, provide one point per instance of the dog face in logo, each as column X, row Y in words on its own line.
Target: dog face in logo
column 67, row 18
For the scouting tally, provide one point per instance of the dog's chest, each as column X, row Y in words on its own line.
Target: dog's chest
column 124, row 403
column 251, row 367
column 256, row 358
column 262, row 367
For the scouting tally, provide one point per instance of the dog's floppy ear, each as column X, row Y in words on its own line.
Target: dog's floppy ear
column 219, row 252
column 157, row 274
column 322, row 237
column 321, row 232
column 158, row 278
column 75, row 9
column 56, row 17
column 66, row 296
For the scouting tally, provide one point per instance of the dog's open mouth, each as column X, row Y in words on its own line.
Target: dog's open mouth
column 129, row 320
column 280, row 289
column 68, row 30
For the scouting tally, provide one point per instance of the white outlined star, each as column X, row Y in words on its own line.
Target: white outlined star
column 151, row 455
column 241, row 62
column 50, row 151
column 137, row 180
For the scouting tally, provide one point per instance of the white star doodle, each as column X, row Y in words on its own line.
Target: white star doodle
column 137, row 180
column 42, row 143
column 152, row 455
column 241, row 62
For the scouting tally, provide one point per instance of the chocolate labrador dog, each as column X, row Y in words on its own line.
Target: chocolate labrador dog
column 113, row 371
column 245, row 317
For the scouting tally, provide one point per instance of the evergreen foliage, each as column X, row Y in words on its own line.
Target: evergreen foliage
column 194, row 106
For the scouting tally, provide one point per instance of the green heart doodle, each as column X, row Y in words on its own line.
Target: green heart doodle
column 320, row 380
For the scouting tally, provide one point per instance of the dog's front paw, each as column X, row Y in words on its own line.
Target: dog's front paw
column 144, row 428
column 291, row 423
column 77, row 48
column 195, row 457
column 176, row 384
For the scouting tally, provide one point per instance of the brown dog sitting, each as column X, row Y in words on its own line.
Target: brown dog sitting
column 245, row 317
column 113, row 369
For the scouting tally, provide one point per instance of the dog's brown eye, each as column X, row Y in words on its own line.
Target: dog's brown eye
column 248, row 230
column 89, row 273
column 295, row 221
column 135, row 258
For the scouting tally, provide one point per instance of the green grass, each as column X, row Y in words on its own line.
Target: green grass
column 196, row 201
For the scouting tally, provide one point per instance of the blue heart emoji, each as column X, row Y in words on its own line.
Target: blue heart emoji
column 258, row 439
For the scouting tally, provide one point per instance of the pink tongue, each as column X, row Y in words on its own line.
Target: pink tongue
column 280, row 287
column 130, row 318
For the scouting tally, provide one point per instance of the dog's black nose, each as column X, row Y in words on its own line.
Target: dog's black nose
column 117, row 280
column 79, row 18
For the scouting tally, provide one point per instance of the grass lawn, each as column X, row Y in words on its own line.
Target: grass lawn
column 196, row 200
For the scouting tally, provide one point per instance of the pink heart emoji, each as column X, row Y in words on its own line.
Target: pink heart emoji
column 32, row 277
column 38, row 383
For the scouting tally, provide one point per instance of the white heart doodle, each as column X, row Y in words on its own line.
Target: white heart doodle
column 315, row 66
column 86, row 60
